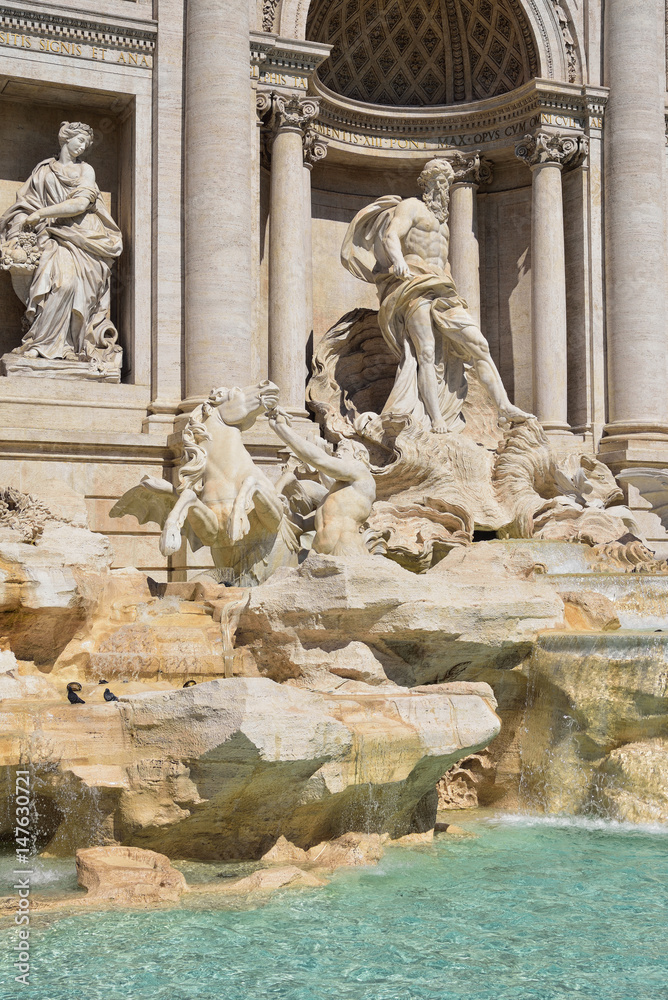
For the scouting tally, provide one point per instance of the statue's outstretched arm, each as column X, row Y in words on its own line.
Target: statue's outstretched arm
column 329, row 465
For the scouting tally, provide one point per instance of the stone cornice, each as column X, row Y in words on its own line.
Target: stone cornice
column 270, row 54
column 537, row 94
column 496, row 123
column 78, row 27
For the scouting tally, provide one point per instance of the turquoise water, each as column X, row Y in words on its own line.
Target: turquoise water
column 530, row 910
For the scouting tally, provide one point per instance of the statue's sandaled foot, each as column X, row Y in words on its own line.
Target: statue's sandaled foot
column 31, row 353
column 439, row 427
column 70, row 356
column 514, row 415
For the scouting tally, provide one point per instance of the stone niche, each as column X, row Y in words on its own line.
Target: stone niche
column 31, row 116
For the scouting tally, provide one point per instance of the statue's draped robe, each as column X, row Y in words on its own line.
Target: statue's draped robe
column 67, row 297
column 399, row 299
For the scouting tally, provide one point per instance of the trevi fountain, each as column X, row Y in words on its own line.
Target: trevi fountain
column 333, row 500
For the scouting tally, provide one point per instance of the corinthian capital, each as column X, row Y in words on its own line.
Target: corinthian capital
column 562, row 150
column 471, row 169
column 289, row 112
column 315, row 147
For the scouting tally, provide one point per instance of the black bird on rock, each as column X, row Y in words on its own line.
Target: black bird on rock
column 109, row 695
column 72, row 695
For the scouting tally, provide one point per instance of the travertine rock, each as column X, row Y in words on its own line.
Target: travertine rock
column 222, row 769
column 589, row 611
column 593, row 722
column 418, row 627
column 632, row 782
column 51, row 573
column 350, row 849
column 269, row 879
column 128, row 875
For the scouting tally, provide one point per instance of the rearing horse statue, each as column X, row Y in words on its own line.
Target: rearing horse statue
column 222, row 500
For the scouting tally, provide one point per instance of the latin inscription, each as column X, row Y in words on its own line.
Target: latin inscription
column 454, row 140
column 78, row 50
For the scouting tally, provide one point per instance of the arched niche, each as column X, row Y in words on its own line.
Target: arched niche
column 548, row 27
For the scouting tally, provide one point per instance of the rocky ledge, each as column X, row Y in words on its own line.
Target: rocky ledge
column 223, row 769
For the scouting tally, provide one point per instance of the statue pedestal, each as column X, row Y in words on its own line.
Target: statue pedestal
column 82, row 371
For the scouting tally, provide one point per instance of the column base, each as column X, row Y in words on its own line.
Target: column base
column 160, row 417
column 626, row 445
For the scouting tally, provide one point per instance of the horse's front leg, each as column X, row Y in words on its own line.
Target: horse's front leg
column 170, row 539
column 266, row 501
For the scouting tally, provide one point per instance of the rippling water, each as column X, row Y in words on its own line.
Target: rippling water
column 530, row 910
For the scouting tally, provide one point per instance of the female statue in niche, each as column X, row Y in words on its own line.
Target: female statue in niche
column 59, row 243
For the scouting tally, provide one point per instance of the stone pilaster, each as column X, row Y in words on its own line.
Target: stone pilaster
column 470, row 172
column 547, row 155
column 217, row 201
column 288, row 123
column 634, row 170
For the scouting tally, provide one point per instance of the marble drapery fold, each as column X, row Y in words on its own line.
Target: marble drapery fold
column 399, row 298
column 67, row 296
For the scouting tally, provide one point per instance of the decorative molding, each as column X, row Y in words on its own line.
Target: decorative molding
column 491, row 125
column 569, row 42
column 561, row 150
column 315, row 147
column 268, row 14
column 284, row 62
column 472, row 168
column 78, row 30
column 292, row 113
column 543, row 32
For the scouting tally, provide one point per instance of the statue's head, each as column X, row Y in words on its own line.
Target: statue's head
column 77, row 136
column 349, row 448
column 435, row 180
column 241, row 407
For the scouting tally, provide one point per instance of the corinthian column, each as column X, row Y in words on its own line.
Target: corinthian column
column 634, row 147
column 218, row 220
column 315, row 149
column 288, row 124
column 470, row 172
column 546, row 156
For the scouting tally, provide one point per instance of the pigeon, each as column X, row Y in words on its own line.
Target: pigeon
column 189, row 684
column 109, row 695
column 72, row 695
column 103, row 682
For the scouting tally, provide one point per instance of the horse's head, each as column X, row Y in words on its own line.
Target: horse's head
column 241, row 407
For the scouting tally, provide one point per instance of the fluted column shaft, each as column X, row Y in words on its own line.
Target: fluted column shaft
column 634, row 151
column 289, row 269
column 470, row 172
column 546, row 155
column 464, row 249
column 218, row 220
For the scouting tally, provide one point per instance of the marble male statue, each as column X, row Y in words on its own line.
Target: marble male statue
column 351, row 490
column 67, row 290
column 402, row 247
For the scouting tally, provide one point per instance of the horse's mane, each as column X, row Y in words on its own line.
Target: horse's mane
column 193, row 462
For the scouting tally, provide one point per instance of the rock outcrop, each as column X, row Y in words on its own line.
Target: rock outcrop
column 128, row 876
column 51, row 570
column 417, row 628
column 223, row 769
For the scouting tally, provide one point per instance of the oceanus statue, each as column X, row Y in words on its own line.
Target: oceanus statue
column 222, row 500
